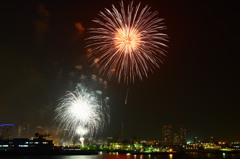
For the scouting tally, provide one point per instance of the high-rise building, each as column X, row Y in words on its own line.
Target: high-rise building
column 176, row 139
column 173, row 135
column 6, row 131
column 23, row 130
column 167, row 135
column 182, row 135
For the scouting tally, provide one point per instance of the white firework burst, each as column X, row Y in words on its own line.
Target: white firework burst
column 81, row 113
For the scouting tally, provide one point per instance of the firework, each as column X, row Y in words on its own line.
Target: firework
column 128, row 42
column 81, row 113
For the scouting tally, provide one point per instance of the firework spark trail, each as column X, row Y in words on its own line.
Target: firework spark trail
column 81, row 113
column 126, row 99
column 128, row 42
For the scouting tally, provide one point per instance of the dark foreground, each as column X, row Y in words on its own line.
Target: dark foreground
column 49, row 152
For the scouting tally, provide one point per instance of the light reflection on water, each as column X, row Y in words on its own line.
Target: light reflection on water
column 166, row 156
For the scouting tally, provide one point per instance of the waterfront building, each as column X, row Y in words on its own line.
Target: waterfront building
column 167, row 135
column 195, row 140
column 6, row 131
column 211, row 140
column 23, row 130
column 182, row 135
column 26, row 144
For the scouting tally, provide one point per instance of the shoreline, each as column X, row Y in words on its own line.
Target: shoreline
column 97, row 152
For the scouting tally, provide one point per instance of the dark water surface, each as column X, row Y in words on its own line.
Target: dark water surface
column 166, row 156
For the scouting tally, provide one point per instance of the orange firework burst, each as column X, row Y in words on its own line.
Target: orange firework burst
column 129, row 41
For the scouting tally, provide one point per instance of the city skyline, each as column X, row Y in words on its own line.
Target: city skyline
column 170, row 134
column 43, row 56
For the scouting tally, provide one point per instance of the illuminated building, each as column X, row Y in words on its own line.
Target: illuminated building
column 211, row 146
column 171, row 136
column 195, row 140
column 24, row 143
column 6, row 131
column 235, row 145
column 40, row 130
column 211, row 140
column 182, row 135
column 167, row 135
column 176, row 139
column 23, row 130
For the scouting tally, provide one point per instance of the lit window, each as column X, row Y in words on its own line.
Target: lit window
column 22, row 145
column 35, row 142
column 26, row 142
column 4, row 145
column 45, row 142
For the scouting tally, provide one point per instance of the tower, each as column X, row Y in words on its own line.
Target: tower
column 182, row 135
column 167, row 135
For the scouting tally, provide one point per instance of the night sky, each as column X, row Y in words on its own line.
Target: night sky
column 43, row 55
